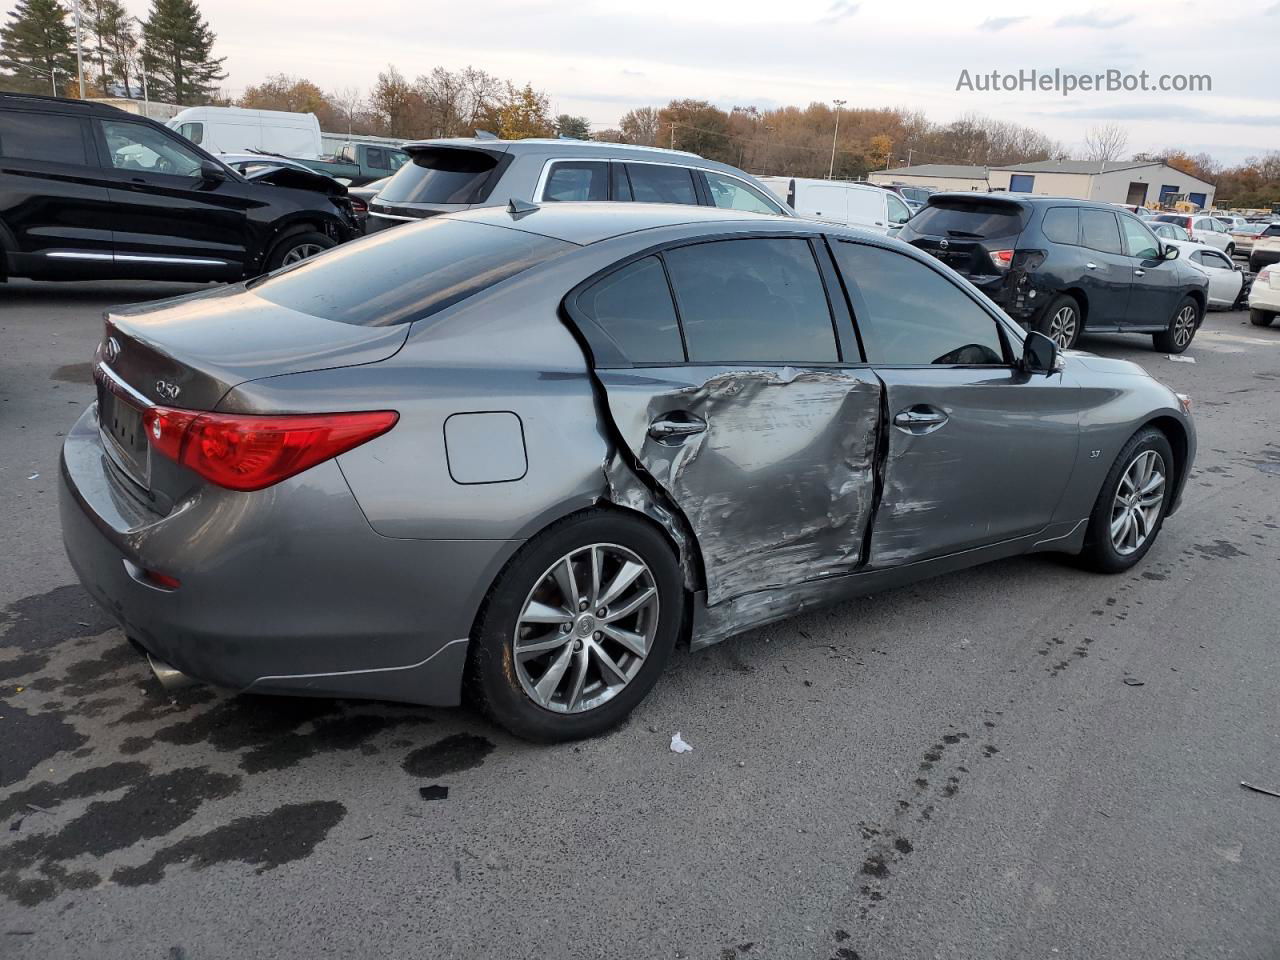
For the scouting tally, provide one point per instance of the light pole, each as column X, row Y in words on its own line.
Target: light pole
column 142, row 54
column 79, row 53
column 832, row 169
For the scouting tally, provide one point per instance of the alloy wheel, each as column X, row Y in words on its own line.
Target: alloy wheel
column 1136, row 506
column 586, row 628
column 1062, row 327
column 301, row 252
column 1184, row 326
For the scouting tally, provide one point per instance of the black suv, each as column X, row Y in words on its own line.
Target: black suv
column 1061, row 266
column 88, row 191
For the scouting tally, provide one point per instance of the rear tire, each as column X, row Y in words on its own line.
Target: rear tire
column 1261, row 318
column 1061, row 321
column 1182, row 328
column 586, row 697
column 1104, row 550
column 298, row 246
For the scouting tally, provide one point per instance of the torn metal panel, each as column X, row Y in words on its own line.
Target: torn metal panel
column 625, row 489
column 778, row 488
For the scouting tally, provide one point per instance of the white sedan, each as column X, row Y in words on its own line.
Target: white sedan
column 1227, row 282
column 1264, row 298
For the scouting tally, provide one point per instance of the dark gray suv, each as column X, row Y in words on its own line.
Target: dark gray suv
column 449, row 176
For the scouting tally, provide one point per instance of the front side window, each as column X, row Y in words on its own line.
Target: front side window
column 192, row 131
column 46, row 137
column 577, row 180
column 898, row 212
column 1139, row 240
column 1215, row 260
column 1099, row 231
column 137, row 147
column 376, row 158
column 729, row 193
column 661, row 183
column 633, row 305
column 911, row 314
column 752, row 300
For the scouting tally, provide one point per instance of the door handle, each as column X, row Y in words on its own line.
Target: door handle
column 920, row 419
column 1139, row 273
column 1091, row 265
column 673, row 428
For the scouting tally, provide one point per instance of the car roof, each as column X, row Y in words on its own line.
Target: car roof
column 47, row 104
column 586, row 223
column 568, row 147
column 1023, row 199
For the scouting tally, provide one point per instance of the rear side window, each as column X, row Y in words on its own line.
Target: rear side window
column 577, row 180
column 661, row 183
column 633, row 305
column 402, row 275
column 976, row 220
column 1099, row 231
column 42, row 136
column 441, row 175
column 1062, row 224
column 910, row 314
column 752, row 300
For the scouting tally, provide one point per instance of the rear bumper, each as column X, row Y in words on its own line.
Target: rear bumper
column 287, row 590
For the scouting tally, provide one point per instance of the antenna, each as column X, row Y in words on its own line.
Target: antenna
column 521, row 208
column 485, row 135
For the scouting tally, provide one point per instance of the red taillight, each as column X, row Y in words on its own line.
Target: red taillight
column 252, row 452
column 1002, row 258
column 359, row 206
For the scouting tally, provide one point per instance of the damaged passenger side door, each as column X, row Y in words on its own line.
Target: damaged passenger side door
column 733, row 378
column 978, row 450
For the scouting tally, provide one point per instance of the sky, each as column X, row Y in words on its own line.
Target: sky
column 600, row 58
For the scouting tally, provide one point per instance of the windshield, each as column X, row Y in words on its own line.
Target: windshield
column 442, row 175
column 402, row 275
column 976, row 220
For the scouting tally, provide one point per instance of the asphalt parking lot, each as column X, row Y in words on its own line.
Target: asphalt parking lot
column 1020, row 761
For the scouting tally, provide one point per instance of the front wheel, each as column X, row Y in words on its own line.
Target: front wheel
column 1131, row 505
column 299, row 246
column 577, row 628
column 1182, row 328
column 1261, row 318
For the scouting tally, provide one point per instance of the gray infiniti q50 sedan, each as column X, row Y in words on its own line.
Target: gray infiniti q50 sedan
column 523, row 452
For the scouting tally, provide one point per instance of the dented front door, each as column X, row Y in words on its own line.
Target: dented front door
column 773, row 466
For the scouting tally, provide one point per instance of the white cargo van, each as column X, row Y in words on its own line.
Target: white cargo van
column 853, row 204
column 236, row 130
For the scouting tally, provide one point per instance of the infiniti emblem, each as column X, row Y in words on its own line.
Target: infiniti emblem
column 111, row 349
column 168, row 390
column 944, row 243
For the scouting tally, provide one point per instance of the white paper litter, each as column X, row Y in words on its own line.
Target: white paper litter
column 678, row 745
column 34, row 476
column 1181, row 359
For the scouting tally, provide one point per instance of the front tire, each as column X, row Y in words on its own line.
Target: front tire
column 577, row 628
column 297, row 247
column 1182, row 328
column 1061, row 321
column 1261, row 318
column 1131, row 506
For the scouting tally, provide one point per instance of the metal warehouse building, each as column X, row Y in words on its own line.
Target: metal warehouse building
column 1133, row 181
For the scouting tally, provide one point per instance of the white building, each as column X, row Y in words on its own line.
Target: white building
column 1133, row 181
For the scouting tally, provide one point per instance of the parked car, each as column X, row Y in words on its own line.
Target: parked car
column 1141, row 212
column 1265, row 248
column 447, row 176
column 360, row 163
column 88, row 191
column 1244, row 237
column 1264, row 297
column 1231, row 221
column 239, row 130
column 839, row 201
column 1062, row 266
column 914, row 197
column 1228, row 283
column 1202, row 228
column 362, row 196
column 331, row 507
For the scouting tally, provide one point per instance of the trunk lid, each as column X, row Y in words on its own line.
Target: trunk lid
column 963, row 232
column 190, row 351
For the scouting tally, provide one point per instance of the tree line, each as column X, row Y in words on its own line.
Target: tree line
column 173, row 49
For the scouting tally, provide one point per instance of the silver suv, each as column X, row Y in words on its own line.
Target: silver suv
column 446, row 176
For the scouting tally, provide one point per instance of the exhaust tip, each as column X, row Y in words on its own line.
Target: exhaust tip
column 170, row 678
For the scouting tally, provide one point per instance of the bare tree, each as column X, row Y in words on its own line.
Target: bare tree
column 1106, row 142
column 640, row 126
column 349, row 101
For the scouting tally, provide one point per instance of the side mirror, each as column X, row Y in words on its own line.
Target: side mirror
column 211, row 171
column 1039, row 353
column 1170, row 252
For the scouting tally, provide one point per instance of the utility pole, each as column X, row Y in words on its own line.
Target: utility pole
column 79, row 53
column 673, row 134
column 142, row 56
column 832, row 169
